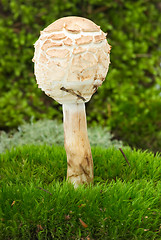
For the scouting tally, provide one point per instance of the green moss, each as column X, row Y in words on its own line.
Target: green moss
column 37, row 202
column 48, row 163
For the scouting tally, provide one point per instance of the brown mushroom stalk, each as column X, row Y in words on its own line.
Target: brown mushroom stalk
column 77, row 146
column 71, row 59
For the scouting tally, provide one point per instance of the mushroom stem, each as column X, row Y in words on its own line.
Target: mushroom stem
column 77, row 146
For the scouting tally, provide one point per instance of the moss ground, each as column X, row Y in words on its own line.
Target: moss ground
column 37, row 203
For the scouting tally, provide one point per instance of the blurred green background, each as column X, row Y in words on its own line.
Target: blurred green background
column 128, row 103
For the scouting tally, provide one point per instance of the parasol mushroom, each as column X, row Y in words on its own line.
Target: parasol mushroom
column 71, row 62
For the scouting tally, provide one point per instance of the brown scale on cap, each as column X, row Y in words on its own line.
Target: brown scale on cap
column 107, row 48
column 68, row 42
column 42, row 37
column 87, row 74
column 54, row 27
column 88, row 57
column 72, row 27
column 84, row 40
column 58, row 36
column 79, row 50
column 82, row 62
column 47, row 44
column 43, row 58
column 99, row 38
column 102, row 58
column 92, row 49
column 60, row 53
column 55, row 44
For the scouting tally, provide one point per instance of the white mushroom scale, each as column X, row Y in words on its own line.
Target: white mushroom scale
column 72, row 58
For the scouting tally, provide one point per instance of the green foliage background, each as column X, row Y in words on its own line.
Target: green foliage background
column 129, row 102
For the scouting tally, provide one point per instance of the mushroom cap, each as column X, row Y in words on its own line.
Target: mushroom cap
column 71, row 59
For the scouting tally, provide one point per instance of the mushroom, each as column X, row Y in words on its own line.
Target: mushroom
column 71, row 61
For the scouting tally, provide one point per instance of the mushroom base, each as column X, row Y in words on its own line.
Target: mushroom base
column 77, row 146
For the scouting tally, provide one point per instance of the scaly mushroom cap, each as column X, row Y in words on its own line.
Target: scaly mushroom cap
column 71, row 59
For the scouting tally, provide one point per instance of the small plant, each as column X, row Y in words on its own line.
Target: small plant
column 42, row 132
